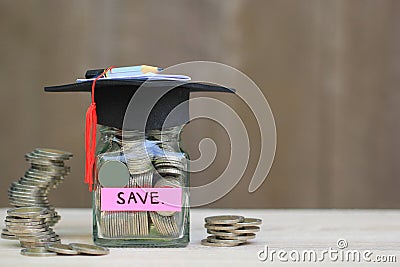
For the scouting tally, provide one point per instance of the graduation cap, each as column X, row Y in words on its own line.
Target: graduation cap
column 111, row 99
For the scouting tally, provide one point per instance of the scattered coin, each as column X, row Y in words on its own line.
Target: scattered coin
column 37, row 252
column 62, row 249
column 89, row 249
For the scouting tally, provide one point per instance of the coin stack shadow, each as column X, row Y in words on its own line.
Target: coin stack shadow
column 230, row 230
column 47, row 171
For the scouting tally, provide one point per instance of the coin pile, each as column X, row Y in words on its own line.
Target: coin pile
column 64, row 249
column 47, row 171
column 172, row 164
column 136, row 157
column 230, row 230
column 30, row 225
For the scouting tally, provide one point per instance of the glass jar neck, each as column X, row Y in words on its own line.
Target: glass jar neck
column 171, row 134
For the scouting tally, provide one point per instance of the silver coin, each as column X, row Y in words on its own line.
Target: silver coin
column 5, row 234
column 26, row 194
column 25, row 224
column 22, row 189
column 24, row 230
column 205, row 242
column 62, row 249
column 35, row 159
column 249, row 222
column 34, row 239
column 42, row 236
column 18, row 185
column 169, row 183
column 244, row 237
column 89, row 249
column 216, row 239
column 221, row 233
column 27, row 212
column 38, row 244
column 220, row 227
column 37, row 252
column 28, row 227
column 53, row 153
column 246, row 230
column 113, row 174
column 24, row 220
column 169, row 171
column 28, row 198
column 9, row 237
column 224, row 219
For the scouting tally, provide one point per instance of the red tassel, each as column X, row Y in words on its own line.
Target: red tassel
column 90, row 136
column 90, row 143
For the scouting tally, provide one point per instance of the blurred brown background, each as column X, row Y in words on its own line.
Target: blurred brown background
column 329, row 69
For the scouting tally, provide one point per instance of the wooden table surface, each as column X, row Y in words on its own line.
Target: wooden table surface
column 286, row 230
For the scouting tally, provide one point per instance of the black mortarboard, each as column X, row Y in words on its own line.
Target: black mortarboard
column 112, row 98
column 111, row 103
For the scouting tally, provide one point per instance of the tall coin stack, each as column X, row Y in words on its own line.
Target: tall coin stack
column 47, row 171
column 230, row 230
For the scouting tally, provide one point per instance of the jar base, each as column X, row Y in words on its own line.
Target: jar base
column 142, row 243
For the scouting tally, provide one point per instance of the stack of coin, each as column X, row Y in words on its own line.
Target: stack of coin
column 136, row 156
column 47, row 171
column 230, row 230
column 170, row 164
column 30, row 225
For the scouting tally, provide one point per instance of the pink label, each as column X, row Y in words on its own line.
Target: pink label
column 141, row 199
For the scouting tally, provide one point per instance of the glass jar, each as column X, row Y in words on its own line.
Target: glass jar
column 140, row 196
